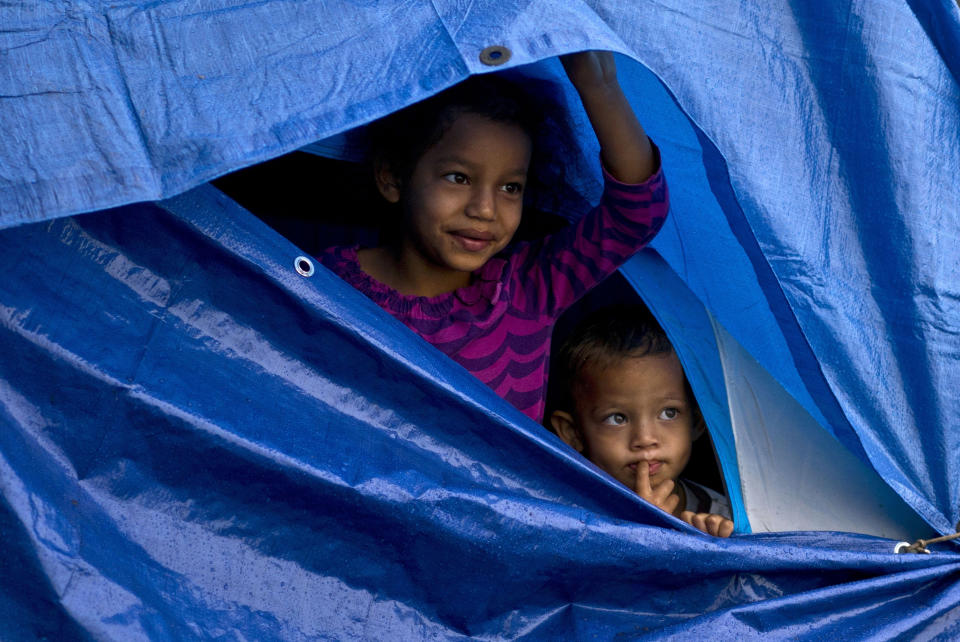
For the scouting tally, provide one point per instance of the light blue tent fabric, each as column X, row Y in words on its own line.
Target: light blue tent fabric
column 810, row 153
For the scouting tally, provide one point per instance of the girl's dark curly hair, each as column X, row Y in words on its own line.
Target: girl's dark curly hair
column 400, row 139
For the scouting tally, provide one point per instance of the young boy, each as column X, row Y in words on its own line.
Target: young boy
column 626, row 405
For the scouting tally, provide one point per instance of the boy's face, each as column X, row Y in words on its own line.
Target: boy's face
column 634, row 410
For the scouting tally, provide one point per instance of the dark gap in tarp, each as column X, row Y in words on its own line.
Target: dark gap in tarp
column 316, row 202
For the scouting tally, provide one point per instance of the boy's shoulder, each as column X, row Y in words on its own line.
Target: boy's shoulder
column 701, row 499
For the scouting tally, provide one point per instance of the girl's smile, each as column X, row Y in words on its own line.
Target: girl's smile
column 474, row 240
column 461, row 205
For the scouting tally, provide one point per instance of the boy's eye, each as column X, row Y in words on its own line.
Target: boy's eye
column 513, row 188
column 669, row 413
column 616, row 419
column 457, row 177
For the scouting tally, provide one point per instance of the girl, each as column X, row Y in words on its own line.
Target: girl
column 457, row 165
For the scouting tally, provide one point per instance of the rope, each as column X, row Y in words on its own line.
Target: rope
column 920, row 546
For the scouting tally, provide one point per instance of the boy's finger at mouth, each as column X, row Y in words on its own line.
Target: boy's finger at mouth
column 643, row 477
column 648, row 468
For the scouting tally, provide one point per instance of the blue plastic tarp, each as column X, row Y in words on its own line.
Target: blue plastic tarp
column 197, row 442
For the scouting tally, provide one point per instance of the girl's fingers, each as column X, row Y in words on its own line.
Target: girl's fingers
column 709, row 523
column 722, row 526
column 589, row 67
column 697, row 520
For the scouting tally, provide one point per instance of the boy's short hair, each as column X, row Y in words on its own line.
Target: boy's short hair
column 603, row 338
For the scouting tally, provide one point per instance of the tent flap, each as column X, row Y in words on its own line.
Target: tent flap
column 199, row 442
column 216, row 454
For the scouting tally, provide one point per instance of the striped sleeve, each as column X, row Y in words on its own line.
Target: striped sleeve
column 551, row 274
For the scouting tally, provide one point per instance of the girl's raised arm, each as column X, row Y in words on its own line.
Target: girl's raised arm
column 624, row 147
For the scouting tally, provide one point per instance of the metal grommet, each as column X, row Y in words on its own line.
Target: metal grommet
column 917, row 547
column 303, row 266
column 495, row 55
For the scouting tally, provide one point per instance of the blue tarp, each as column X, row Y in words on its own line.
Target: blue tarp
column 198, row 442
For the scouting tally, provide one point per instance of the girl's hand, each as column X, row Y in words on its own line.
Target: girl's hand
column 662, row 496
column 709, row 523
column 590, row 69
column 624, row 146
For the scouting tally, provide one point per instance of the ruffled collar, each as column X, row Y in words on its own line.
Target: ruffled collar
column 485, row 288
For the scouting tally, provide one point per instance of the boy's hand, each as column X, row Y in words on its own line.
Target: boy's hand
column 662, row 496
column 709, row 523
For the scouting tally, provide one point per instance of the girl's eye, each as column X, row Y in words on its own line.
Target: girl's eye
column 616, row 419
column 457, row 177
column 669, row 413
column 513, row 188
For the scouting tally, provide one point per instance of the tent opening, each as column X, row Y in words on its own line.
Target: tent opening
column 283, row 193
column 754, row 426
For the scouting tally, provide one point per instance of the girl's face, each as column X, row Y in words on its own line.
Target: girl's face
column 464, row 199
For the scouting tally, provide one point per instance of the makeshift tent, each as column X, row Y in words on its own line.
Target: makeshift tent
column 201, row 441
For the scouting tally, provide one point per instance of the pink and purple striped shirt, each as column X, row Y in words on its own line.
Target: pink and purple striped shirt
column 499, row 326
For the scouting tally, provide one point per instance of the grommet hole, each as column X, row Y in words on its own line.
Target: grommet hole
column 303, row 265
column 495, row 55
